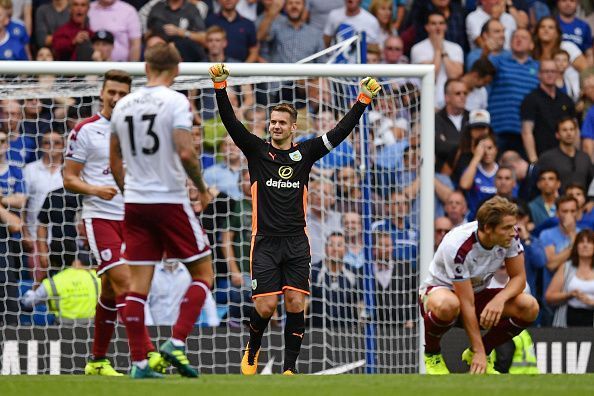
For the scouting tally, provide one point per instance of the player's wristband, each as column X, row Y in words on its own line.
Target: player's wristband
column 220, row 85
column 364, row 98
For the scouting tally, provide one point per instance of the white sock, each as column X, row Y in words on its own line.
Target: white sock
column 177, row 343
column 141, row 364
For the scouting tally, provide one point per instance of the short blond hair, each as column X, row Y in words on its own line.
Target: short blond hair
column 162, row 57
column 492, row 212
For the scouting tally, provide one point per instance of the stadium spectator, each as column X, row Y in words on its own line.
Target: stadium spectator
column 584, row 215
column 456, row 208
column 103, row 44
column 21, row 147
column 541, row 111
column 226, row 174
column 180, row 22
column 71, row 294
column 236, row 232
column 10, row 223
column 318, row 11
column 572, row 164
column 56, row 232
column 11, row 46
column 414, row 32
column 352, row 224
column 481, row 74
column 12, row 186
column 347, row 21
column 571, row 289
column 505, row 183
column 544, row 206
column 557, row 242
column 241, row 97
column 382, row 10
column 478, row 180
column 393, row 51
column 489, row 9
column 41, row 177
column 548, row 40
column 37, row 121
column 492, row 40
column 22, row 11
column 349, row 196
column 450, row 121
column 321, row 219
column 441, row 226
column 48, row 18
column 16, row 27
column 170, row 282
column 401, row 227
column 46, row 81
column 290, row 39
column 395, row 285
column 272, row 11
column 455, row 290
column 335, row 298
column 255, row 117
column 122, row 20
column 587, row 134
column 575, row 29
column 72, row 40
column 244, row 46
column 525, row 173
column 534, row 254
column 374, row 55
column 518, row 71
column 446, row 56
column 477, row 128
column 568, row 80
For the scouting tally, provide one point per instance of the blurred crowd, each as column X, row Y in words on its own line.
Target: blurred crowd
column 513, row 117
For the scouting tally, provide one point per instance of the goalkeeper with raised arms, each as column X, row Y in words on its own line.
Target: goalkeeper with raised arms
column 279, row 174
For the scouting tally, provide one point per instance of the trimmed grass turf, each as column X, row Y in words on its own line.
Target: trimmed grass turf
column 303, row 385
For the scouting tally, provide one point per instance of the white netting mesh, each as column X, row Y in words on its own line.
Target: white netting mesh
column 363, row 213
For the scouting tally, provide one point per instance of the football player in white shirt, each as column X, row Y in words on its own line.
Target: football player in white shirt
column 456, row 288
column 86, row 171
column 151, row 132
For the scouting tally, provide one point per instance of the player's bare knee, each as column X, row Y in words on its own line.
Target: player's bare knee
column 447, row 308
column 266, row 306
column 528, row 307
column 120, row 285
column 294, row 302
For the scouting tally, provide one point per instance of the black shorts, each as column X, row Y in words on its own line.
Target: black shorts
column 279, row 263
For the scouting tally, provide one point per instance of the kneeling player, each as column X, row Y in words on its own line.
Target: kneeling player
column 456, row 288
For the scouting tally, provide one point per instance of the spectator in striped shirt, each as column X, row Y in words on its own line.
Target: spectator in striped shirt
column 516, row 76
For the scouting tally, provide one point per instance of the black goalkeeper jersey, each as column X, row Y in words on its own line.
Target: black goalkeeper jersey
column 279, row 178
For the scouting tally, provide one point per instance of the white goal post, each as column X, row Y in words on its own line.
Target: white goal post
column 424, row 73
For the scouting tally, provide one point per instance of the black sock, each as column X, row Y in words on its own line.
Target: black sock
column 294, row 330
column 257, row 326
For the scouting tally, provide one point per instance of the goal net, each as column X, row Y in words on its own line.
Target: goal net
column 364, row 220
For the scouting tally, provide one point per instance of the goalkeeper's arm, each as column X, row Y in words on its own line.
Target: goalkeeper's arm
column 369, row 89
column 238, row 132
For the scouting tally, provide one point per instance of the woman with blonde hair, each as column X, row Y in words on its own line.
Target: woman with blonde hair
column 382, row 10
column 572, row 287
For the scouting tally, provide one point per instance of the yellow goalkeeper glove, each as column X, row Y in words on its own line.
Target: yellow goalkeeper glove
column 218, row 74
column 369, row 90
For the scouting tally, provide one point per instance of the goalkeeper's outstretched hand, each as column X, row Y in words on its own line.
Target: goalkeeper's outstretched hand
column 369, row 89
column 218, row 74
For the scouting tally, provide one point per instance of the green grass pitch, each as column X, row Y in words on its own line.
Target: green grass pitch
column 302, row 385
